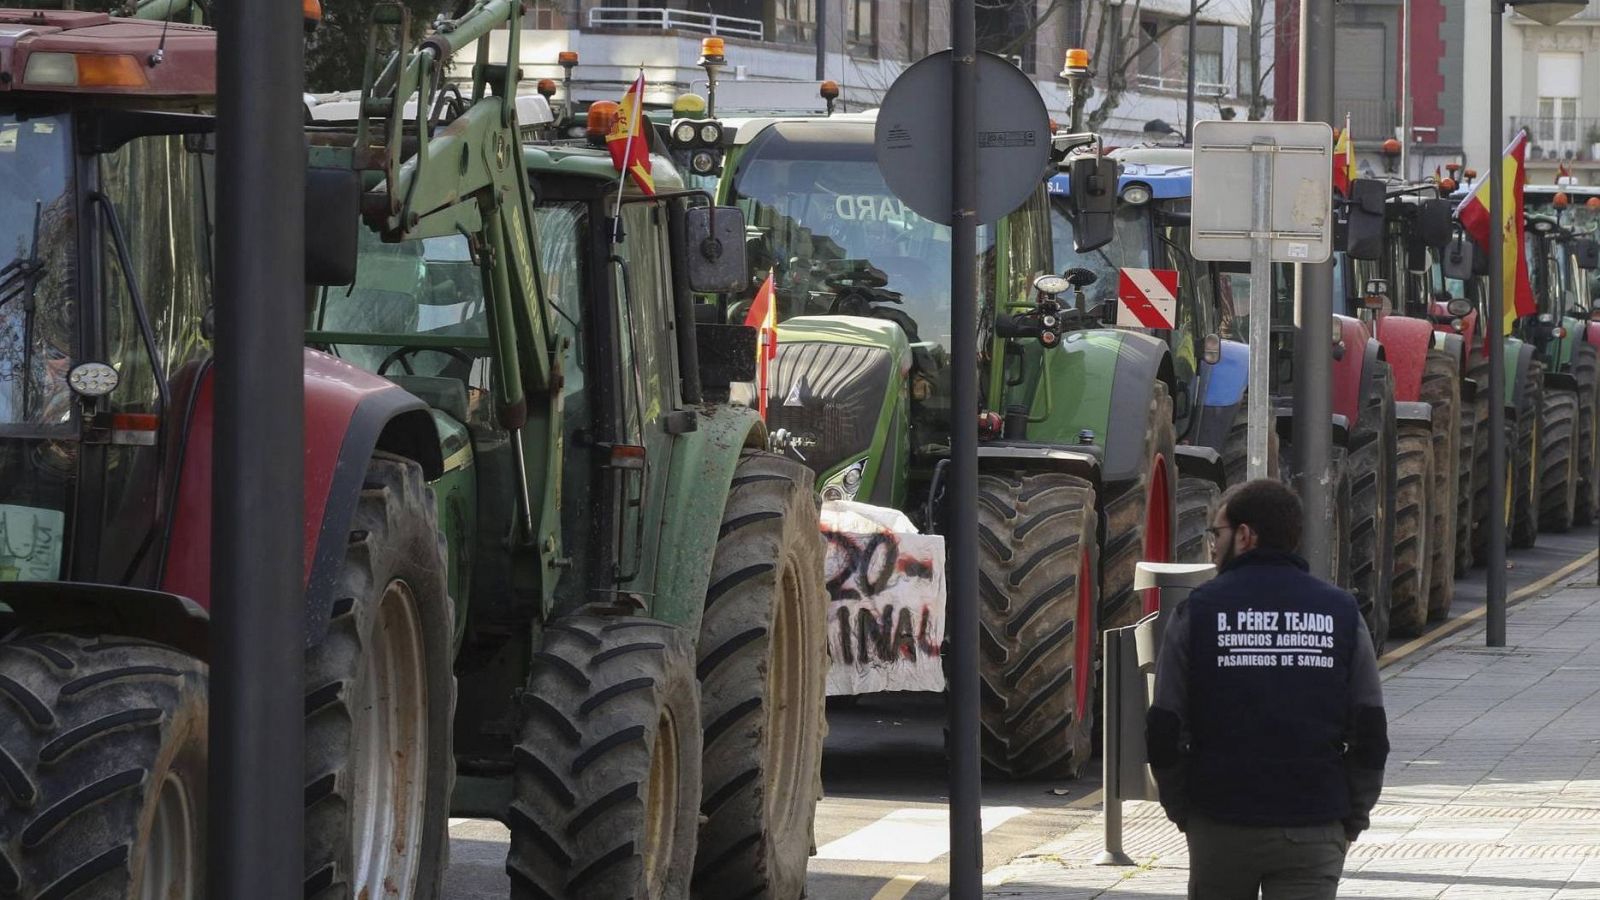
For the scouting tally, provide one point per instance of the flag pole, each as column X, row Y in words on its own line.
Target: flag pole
column 627, row 151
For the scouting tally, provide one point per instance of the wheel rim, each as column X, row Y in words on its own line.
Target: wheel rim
column 173, row 861
column 661, row 805
column 1086, row 631
column 788, row 672
column 1157, row 531
column 389, row 751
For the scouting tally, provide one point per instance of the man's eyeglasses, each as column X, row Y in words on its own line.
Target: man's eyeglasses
column 1218, row 529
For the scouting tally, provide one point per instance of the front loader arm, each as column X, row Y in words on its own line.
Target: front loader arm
column 467, row 178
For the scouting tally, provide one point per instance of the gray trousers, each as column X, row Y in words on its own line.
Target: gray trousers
column 1242, row 862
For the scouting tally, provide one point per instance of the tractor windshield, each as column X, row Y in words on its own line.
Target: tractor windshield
column 837, row 240
column 37, row 240
column 1130, row 247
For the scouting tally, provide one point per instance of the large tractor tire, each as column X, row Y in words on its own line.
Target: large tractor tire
column 1558, row 460
column 380, row 703
column 1139, row 521
column 1408, row 612
column 1441, row 389
column 1474, row 448
column 1523, row 526
column 1371, row 464
column 102, row 770
column 1038, row 615
column 1236, row 450
column 1586, row 371
column 1197, row 502
column 1480, row 462
column 606, row 798
column 763, row 668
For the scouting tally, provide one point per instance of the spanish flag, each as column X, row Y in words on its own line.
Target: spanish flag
column 763, row 316
column 1344, row 160
column 1474, row 216
column 628, row 140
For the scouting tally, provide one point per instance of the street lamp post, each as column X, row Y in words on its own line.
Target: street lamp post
column 1547, row 12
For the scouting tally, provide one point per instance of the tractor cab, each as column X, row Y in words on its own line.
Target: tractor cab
column 106, row 287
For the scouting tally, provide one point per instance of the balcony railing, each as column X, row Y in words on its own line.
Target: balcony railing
column 1181, row 85
column 675, row 20
column 1560, row 138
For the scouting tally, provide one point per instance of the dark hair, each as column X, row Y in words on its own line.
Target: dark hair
column 1270, row 509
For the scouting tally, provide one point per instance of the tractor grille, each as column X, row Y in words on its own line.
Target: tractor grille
column 830, row 393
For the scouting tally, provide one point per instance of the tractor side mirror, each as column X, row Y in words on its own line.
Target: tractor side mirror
column 1435, row 223
column 1094, row 199
column 715, row 246
column 1587, row 252
column 1458, row 259
column 333, row 216
column 1364, row 232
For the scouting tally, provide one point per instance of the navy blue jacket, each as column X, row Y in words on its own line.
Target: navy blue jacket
column 1268, row 709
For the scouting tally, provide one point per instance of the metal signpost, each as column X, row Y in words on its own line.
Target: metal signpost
column 1286, row 217
column 953, row 122
column 257, row 702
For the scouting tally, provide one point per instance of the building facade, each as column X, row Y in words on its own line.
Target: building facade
column 1141, row 50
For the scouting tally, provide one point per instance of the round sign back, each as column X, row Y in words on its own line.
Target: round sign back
column 913, row 137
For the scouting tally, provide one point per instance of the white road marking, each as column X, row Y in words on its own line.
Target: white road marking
column 909, row 835
column 897, row 887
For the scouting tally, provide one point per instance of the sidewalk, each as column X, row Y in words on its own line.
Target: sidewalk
column 1492, row 789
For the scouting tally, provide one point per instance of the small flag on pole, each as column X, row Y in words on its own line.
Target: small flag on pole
column 1474, row 216
column 627, row 140
column 763, row 316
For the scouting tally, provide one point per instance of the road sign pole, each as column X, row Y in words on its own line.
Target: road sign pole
column 1259, row 412
column 1313, row 342
column 966, row 786
column 256, row 802
column 1495, row 602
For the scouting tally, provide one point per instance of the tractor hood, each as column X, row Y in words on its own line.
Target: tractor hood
column 81, row 52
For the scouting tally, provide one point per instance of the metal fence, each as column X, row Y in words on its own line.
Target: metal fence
column 1370, row 119
column 676, row 20
column 1181, row 85
column 1561, row 138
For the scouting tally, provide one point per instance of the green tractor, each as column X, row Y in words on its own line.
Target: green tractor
column 1077, row 466
column 552, row 576
column 1560, row 259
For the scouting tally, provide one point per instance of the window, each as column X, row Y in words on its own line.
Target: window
column 1150, row 52
column 1247, row 64
column 1207, row 57
column 914, row 28
column 794, row 21
column 861, row 33
column 1560, row 81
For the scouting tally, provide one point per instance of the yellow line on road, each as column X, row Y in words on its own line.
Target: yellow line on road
column 1455, row 625
column 897, row 887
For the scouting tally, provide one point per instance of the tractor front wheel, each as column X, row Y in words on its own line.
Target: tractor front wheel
column 1523, row 530
column 1408, row 611
column 1038, row 637
column 380, row 703
column 1441, row 389
column 1558, row 460
column 1197, row 501
column 103, row 764
column 763, row 666
column 1586, row 371
column 606, row 798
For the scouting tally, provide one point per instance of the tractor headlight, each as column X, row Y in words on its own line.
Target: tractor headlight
column 1136, row 194
column 1459, row 307
column 93, row 379
column 844, row 484
column 703, row 162
column 683, row 132
column 711, row 133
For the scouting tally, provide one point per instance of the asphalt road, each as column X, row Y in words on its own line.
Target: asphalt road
column 881, row 831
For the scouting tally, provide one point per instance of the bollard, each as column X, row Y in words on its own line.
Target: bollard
column 1129, row 665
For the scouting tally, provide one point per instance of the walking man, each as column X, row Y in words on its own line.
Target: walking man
column 1267, row 735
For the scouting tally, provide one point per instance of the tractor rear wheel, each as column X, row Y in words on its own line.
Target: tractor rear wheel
column 1586, row 371
column 1441, row 389
column 1558, row 460
column 103, row 769
column 1408, row 612
column 380, row 702
column 1370, row 538
column 1139, row 519
column 606, row 798
column 1487, row 393
column 1474, row 500
column 1523, row 530
column 1197, row 501
column 763, row 667
column 1038, row 585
